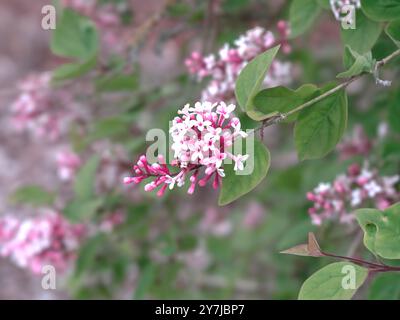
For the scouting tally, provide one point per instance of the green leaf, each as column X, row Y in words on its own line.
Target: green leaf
column 33, row 195
column 119, row 82
column 234, row 186
column 393, row 31
column 87, row 253
column 328, row 282
column 381, row 10
column 324, row 4
column 234, row 6
column 302, row 15
column 82, row 210
column 270, row 102
column 75, row 37
column 364, row 36
column 385, row 286
column 252, row 76
column 320, row 126
column 381, row 230
column 74, row 70
column 359, row 63
column 146, row 278
column 85, row 178
column 391, row 149
column 109, row 128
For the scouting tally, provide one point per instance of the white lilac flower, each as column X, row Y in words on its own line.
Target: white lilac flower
column 201, row 138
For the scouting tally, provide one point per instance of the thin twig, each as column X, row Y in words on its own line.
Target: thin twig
column 142, row 31
column 373, row 267
column 280, row 117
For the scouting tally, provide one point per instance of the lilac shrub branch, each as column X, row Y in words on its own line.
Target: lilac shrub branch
column 282, row 116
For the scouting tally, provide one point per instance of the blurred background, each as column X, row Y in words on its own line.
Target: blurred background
column 66, row 145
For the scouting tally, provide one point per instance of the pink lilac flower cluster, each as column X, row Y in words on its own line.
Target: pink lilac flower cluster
column 34, row 110
column 68, row 163
column 358, row 144
column 359, row 187
column 201, row 137
column 35, row 242
column 224, row 68
column 337, row 7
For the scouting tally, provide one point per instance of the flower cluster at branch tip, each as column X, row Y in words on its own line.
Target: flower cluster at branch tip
column 338, row 7
column 358, row 144
column 68, row 163
column 225, row 68
column 201, row 135
column 35, row 242
column 360, row 187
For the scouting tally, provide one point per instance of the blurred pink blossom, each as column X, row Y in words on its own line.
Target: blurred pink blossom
column 68, row 163
column 355, row 189
column 224, row 69
column 39, row 108
column 44, row 240
column 198, row 259
column 358, row 144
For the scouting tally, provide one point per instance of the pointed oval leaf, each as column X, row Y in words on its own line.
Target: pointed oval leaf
column 302, row 15
column 393, row 31
column 381, row 230
column 234, row 186
column 272, row 101
column 320, row 127
column 75, row 36
column 252, row 76
column 85, row 178
column 365, row 34
column 336, row 281
column 381, row 10
column 385, row 286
